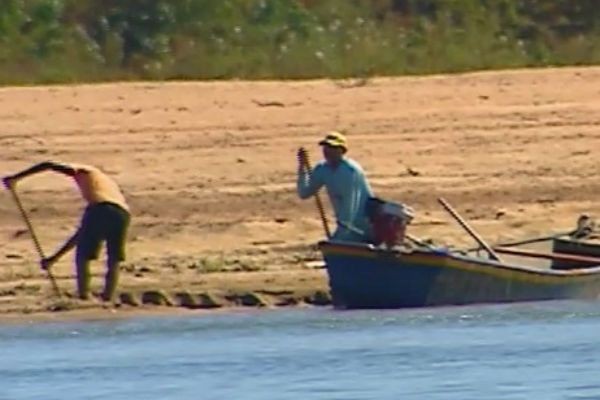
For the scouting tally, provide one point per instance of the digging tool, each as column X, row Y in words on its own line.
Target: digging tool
column 36, row 242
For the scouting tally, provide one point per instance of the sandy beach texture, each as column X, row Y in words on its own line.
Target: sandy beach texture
column 209, row 170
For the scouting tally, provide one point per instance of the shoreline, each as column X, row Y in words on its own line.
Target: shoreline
column 106, row 313
column 246, row 294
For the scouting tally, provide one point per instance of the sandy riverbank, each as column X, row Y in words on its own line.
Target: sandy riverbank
column 209, row 169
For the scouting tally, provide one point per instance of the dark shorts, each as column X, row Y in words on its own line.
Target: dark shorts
column 103, row 222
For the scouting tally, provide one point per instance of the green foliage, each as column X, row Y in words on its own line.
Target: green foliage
column 90, row 40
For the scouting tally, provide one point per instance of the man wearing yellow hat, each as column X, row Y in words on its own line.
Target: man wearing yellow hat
column 346, row 185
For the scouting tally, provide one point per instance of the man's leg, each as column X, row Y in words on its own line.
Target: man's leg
column 115, row 248
column 83, row 277
column 88, row 246
column 111, row 280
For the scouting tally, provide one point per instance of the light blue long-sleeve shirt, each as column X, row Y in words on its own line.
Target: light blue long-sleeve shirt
column 348, row 192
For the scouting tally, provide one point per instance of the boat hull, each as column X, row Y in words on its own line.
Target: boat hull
column 363, row 277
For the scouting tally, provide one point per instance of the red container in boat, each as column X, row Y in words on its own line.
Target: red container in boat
column 389, row 223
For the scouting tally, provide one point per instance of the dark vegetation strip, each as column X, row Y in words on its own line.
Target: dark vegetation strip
column 62, row 41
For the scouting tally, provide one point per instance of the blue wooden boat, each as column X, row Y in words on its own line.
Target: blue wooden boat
column 362, row 276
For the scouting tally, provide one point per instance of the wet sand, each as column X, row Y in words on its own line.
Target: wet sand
column 209, row 170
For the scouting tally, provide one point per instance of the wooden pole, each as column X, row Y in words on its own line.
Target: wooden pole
column 527, row 241
column 469, row 230
column 549, row 256
column 36, row 242
column 306, row 164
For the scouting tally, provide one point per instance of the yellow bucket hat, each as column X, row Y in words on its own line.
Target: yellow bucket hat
column 334, row 139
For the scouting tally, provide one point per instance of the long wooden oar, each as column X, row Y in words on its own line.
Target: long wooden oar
column 527, row 241
column 549, row 256
column 36, row 242
column 306, row 164
column 535, row 240
column 469, row 230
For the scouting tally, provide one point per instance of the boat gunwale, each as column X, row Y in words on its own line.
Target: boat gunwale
column 362, row 250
